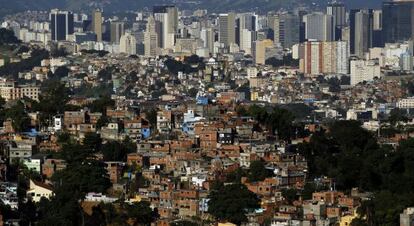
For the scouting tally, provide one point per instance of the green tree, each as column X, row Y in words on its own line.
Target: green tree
column 7, row 37
column 151, row 116
column 141, row 213
column 193, row 92
column 232, row 203
column 53, row 100
column 397, row 115
column 101, row 104
column 18, row 115
column 290, row 195
column 258, row 171
column 93, row 142
column 61, row 72
column 117, row 151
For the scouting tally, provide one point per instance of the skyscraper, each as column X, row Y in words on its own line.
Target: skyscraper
column 286, row 29
column 150, row 38
column 117, row 30
column 97, row 24
column 319, row 26
column 247, row 38
column 397, row 20
column 361, row 31
column 338, row 11
column 61, row 23
column 245, row 21
column 128, row 44
column 167, row 16
column 377, row 39
column 227, row 29
column 207, row 35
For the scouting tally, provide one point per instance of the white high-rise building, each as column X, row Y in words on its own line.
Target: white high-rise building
column 128, row 44
column 246, row 40
column 207, row 36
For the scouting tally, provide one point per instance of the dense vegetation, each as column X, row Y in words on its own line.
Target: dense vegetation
column 351, row 156
column 13, row 69
column 232, row 202
column 7, row 37
column 285, row 61
column 191, row 64
column 277, row 120
column 125, row 5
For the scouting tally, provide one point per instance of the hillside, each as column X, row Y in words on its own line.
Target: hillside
column 211, row 5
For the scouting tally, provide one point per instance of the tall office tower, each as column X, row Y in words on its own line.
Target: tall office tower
column 247, row 38
column 361, row 32
column 207, row 36
column 248, row 21
column 244, row 21
column 319, row 26
column 167, row 16
column 61, row 23
column 128, row 44
column 338, row 11
column 86, row 25
column 117, row 30
column 260, row 48
column 302, row 26
column 97, row 24
column 227, row 29
column 397, row 20
column 286, row 29
column 271, row 26
column 377, row 29
column 150, row 38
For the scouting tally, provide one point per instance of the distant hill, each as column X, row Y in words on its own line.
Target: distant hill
column 212, row 5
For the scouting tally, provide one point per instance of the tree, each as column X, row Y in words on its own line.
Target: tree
column 53, row 100
column 93, row 142
column 289, row 195
column 61, row 72
column 350, row 155
column 193, row 92
column 151, row 116
column 102, row 121
column 258, row 171
column 397, row 115
column 101, row 104
column 100, row 53
column 141, row 213
column 58, row 51
column 287, row 60
column 232, row 203
column 105, row 74
column 19, row 117
column 116, row 151
column 12, row 69
column 7, row 37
